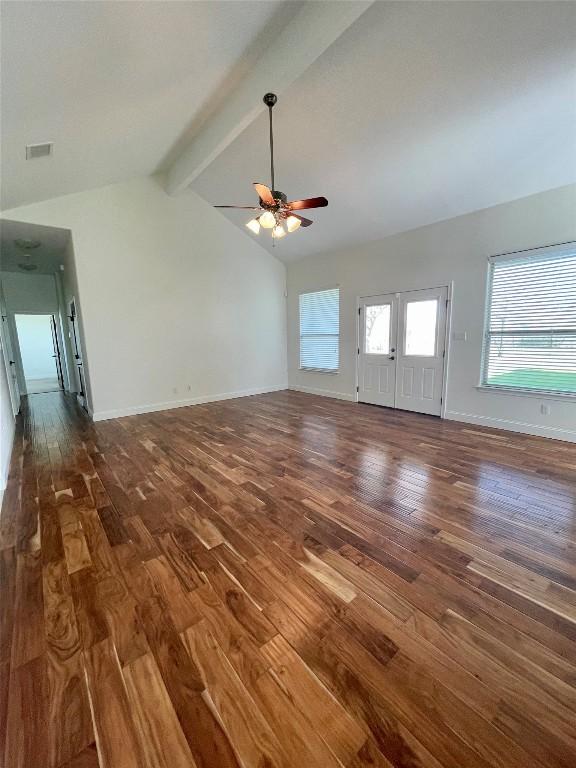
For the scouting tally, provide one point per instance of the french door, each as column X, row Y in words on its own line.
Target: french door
column 401, row 350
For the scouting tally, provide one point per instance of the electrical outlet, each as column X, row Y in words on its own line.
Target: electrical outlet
column 175, row 390
column 460, row 336
column 545, row 409
column 189, row 388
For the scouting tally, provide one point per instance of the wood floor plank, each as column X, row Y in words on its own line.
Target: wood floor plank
column 285, row 580
column 157, row 728
column 250, row 735
column 114, row 728
column 206, row 738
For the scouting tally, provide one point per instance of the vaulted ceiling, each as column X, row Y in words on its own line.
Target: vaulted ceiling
column 117, row 86
column 411, row 113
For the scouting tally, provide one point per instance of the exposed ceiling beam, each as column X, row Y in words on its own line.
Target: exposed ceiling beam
column 313, row 28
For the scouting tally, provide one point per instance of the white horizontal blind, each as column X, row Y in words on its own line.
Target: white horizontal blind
column 530, row 339
column 320, row 330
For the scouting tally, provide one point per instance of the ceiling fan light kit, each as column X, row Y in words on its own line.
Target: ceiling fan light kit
column 276, row 211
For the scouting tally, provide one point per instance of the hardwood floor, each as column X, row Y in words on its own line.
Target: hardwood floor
column 285, row 580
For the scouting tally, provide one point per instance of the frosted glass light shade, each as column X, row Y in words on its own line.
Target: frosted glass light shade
column 278, row 231
column 292, row 223
column 254, row 226
column 268, row 220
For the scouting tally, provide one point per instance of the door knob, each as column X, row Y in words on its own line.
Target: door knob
column 391, row 358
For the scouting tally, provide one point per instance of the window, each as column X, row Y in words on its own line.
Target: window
column 421, row 319
column 319, row 330
column 377, row 333
column 530, row 338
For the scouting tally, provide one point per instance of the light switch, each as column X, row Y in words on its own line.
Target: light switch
column 460, row 336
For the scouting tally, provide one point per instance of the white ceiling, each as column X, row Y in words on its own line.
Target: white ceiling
column 419, row 112
column 47, row 256
column 116, row 85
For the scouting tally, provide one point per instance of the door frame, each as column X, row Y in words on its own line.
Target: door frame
column 447, row 334
column 13, row 330
column 7, row 354
column 77, row 352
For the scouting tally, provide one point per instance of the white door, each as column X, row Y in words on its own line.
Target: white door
column 9, row 359
column 401, row 350
column 420, row 350
column 376, row 358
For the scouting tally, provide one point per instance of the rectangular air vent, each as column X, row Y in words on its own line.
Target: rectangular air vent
column 39, row 150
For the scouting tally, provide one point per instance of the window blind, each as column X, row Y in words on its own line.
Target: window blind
column 320, row 330
column 530, row 340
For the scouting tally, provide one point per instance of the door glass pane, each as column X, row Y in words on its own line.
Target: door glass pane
column 420, row 332
column 377, row 333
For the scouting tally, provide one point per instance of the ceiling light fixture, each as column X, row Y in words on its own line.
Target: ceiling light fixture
column 254, row 226
column 28, row 266
column 275, row 210
column 268, row 220
column 26, row 243
column 292, row 223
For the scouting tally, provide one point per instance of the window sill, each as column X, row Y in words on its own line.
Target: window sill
column 319, row 370
column 541, row 394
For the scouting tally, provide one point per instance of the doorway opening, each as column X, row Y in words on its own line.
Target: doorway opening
column 39, row 352
column 402, row 349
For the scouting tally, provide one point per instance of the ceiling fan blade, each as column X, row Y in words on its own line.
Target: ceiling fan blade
column 264, row 193
column 304, row 222
column 243, row 207
column 311, row 202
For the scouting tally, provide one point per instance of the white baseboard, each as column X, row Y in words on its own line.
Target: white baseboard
column 151, row 408
column 324, row 393
column 556, row 433
column 4, row 471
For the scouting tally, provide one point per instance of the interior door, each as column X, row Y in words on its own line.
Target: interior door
column 376, row 350
column 77, row 350
column 421, row 350
column 57, row 356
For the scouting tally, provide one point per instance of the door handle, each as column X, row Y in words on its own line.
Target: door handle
column 12, row 362
column 391, row 358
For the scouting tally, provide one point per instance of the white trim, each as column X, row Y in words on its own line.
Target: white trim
column 447, row 337
column 4, row 476
column 528, row 253
column 552, row 251
column 541, row 394
column 556, row 433
column 447, row 348
column 152, row 408
column 320, row 370
column 324, row 393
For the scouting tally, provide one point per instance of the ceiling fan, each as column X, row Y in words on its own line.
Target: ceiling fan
column 276, row 210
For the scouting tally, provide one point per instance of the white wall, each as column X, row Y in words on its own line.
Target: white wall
column 454, row 250
column 177, row 306
column 30, row 293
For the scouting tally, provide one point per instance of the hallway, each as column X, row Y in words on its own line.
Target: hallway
column 285, row 580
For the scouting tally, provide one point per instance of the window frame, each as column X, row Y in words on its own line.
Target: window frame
column 310, row 369
column 559, row 249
